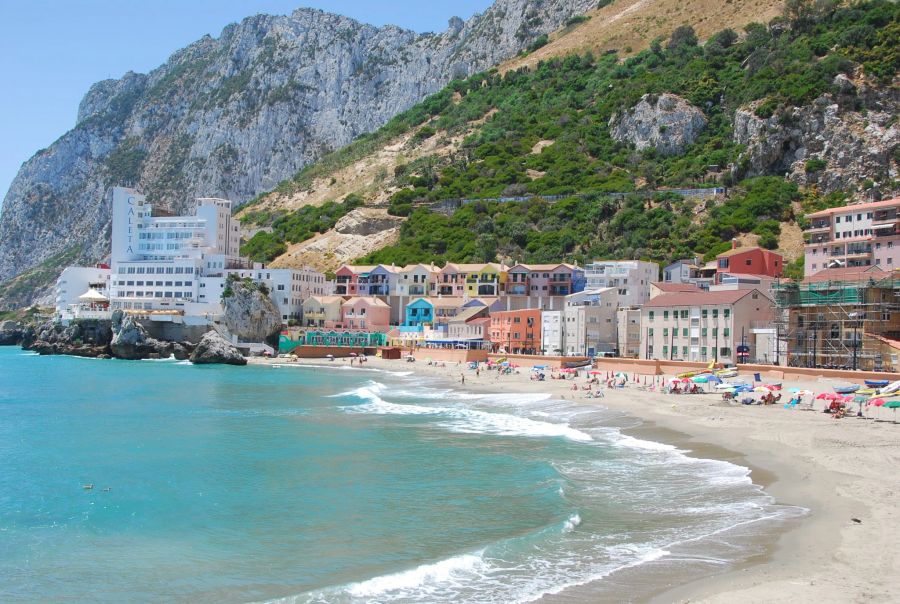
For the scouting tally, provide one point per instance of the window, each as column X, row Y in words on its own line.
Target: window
column 665, row 315
column 727, row 312
column 684, row 351
column 715, row 331
column 715, row 313
column 749, row 262
column 684, row 314
column 725, row 352
column 837, row 220
column 703, row 332
column 665, row 332
column 726, row 332
column 665, row 350
column 705, row 313
column 684, row 332
column 651, row 315
column 650, row 332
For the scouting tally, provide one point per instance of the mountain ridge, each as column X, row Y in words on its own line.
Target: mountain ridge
column 232, row 116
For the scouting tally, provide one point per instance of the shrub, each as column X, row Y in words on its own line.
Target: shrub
column 815, row 164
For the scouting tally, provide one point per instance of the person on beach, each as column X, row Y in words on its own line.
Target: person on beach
column 462, row 378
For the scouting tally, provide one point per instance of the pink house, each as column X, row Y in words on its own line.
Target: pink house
column 365, row 313
column 347, row 280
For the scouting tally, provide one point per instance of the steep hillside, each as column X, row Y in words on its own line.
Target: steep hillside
column 232, row 116
column 812, row 96
column 629, row 26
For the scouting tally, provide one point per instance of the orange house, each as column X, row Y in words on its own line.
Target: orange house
column 516, row 331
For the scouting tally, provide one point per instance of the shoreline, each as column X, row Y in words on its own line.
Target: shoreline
column 836, row 469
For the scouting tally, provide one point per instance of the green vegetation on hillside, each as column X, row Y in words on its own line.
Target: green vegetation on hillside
column 566, row 105
column 660, row 228
column 293, row 227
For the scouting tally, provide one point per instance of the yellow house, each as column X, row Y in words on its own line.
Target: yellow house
column 483, row 280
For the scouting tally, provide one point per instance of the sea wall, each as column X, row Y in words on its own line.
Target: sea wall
column 662, row 367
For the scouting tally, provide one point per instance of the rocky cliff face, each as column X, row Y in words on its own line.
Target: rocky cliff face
column 829, row 143
column 250, row 314
column 233, row 116
column 664, row 122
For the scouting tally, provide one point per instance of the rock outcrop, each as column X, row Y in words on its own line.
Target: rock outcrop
column 665, row 122
column 130, row 340
column 214, row 349
column 250, row 314
column 11, row 333
column 825, row 143
column 83, row 339
column 367, row 221
column 360, row 232
column 233, row 116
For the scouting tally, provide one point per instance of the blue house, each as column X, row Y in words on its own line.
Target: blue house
column 419, row 312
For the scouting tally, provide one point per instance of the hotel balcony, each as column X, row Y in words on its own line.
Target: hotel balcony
column 445, row 290
column 517, row 289
column 884, row 217
column 560, row 290
column 418, row 290
column 378, row 289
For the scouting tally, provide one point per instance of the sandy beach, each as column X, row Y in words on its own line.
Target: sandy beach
column 843, row 471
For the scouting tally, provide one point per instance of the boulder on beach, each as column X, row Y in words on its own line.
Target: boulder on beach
column 214, row 349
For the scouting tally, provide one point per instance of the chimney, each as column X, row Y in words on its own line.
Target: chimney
column 734, row 243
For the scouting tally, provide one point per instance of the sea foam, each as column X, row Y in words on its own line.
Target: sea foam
column 464, row 420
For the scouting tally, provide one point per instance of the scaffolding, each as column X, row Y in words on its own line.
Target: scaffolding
column 839, row 323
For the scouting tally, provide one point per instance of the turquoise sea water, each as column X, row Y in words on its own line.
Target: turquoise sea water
column 334, row 485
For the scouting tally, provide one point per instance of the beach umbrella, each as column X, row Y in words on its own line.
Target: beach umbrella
column 700, row 379
column 595, row 372
column 761, row 389
column 892, row 405
column 714, row 379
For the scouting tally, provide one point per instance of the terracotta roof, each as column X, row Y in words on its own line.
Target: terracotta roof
column 848, row 273
column 357, row 268
column 326, row 299
column 473, row 267
column 860, row 207
column 699, row 298
column 741, row 250
column 372, row 301
column 544, row 267
column 675, row 287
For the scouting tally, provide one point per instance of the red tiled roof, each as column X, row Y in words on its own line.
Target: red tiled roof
column 699, row 298
column 675, row 287
column 873, row 205
column 848, row 273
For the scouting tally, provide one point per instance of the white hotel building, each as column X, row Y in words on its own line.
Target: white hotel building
column 177, row 265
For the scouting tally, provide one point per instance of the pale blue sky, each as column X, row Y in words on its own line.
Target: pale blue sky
column 53, row 50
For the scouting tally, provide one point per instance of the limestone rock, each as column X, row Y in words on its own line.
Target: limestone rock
column 854, row 147
column 233, row 116
column 250, row 314
column 666, row 123
column 83, row 338
column 214, row 349
column 131, row 341
column 366, row 221
column 11, row 333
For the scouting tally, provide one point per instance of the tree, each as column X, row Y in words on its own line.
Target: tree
column 683, row 36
